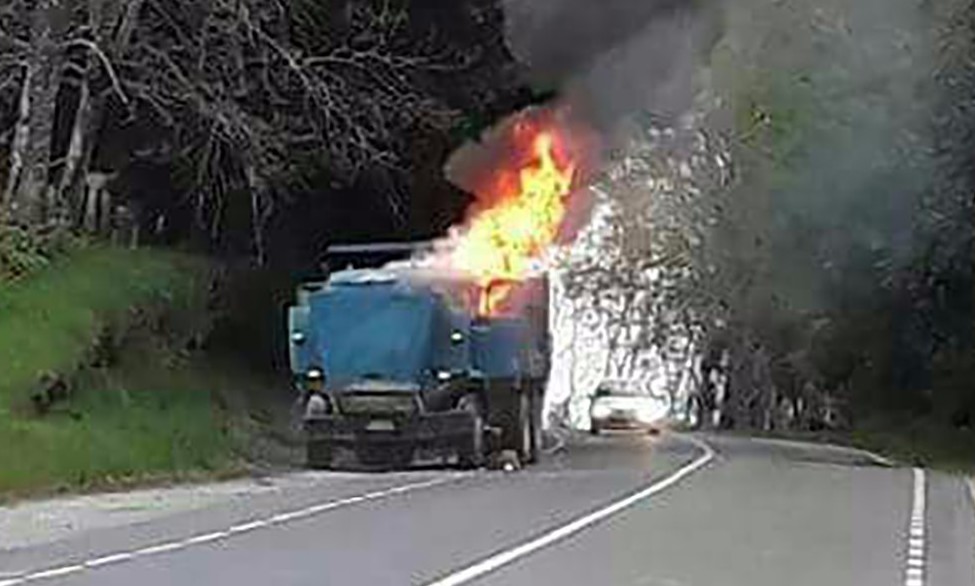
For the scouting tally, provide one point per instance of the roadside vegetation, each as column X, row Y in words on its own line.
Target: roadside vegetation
column 794, row 250
column 100, row 383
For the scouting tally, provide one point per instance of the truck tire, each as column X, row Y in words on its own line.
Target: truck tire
column 525, row 448
column 593, row 429
column 538, row 438
column 471, row 454
column 318, row 455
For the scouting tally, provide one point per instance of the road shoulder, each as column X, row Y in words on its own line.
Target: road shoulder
column 39, row 522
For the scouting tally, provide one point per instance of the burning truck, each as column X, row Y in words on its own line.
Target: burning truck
column 447, row 351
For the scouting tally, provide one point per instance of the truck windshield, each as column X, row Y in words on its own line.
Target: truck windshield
column 372, row 332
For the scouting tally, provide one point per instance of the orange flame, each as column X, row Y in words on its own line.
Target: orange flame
column 503, row 242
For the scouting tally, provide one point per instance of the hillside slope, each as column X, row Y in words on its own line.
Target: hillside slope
column 99, row 385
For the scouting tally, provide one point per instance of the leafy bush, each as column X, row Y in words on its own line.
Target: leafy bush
column 20, row 253
column 116, row 325
column 25, row 250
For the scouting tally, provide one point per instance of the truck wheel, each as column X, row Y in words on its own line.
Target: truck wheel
column 594, row 429
column 471, row 454
column 318, row 455
column 525, row 451
column 538, row 440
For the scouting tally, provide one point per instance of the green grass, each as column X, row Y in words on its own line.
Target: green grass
column 908, row 442
column 151, row 414
column 50, row 321
column 921, row 443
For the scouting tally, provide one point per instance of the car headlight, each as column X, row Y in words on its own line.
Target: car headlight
column 600, row 411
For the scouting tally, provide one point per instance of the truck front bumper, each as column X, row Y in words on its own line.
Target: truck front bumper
column 426, row 431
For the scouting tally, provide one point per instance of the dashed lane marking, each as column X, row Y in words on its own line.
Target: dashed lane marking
column 204, row 538
column 506, row 557
column 914, row 571
column 971, row 489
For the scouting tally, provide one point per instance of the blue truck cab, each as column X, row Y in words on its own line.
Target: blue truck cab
column 391, row 361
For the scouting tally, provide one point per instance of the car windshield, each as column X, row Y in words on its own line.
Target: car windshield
column 618, row 389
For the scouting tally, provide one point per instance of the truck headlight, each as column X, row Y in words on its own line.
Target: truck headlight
column 315, row 379
column 444, row 375
column 298, row 338
column 600, row 411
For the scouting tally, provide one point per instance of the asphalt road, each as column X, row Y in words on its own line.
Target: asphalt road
column 619, row 509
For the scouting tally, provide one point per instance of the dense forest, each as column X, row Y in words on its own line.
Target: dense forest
column 820, row 234
column 246, row 128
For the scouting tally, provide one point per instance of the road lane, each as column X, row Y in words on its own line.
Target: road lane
column 410, row 538
column 563, row 532
column 761, row 513
column 951, row 532
column 766, row 515
column 288, row 494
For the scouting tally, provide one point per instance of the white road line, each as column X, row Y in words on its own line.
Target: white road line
column 245, row 527
column 54, row 573
column 971, row 489
column 506, row 557
column 206, row 537
column 109, row 559
column 158, row 549
column 914, row 572
column 203, row 538
column 290, row 516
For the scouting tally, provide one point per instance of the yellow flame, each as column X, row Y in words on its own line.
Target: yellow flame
column 503, row 241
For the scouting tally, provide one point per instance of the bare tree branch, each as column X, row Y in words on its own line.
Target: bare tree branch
column 106, row 65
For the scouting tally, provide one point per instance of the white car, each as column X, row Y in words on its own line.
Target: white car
column 614, row 407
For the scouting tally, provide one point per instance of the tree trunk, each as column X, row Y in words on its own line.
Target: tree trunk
column 261, row 210
column 33, row 192
column 114, row 33
column 68, row 193
column 18, row 150
column 43, row 63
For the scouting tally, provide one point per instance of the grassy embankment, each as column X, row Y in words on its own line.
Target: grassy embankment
column 115, row 324
column 914, row 442
column 920, row 442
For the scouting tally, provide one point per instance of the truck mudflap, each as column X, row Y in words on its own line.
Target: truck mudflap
column 426, row 431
